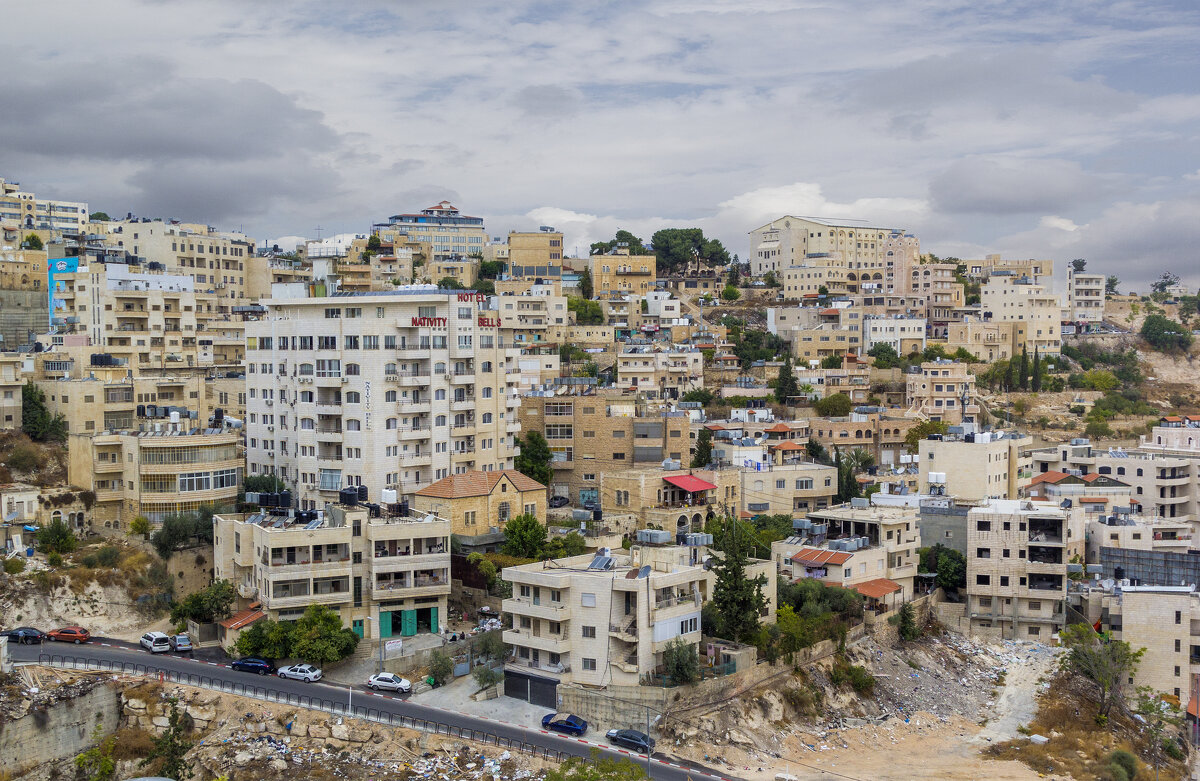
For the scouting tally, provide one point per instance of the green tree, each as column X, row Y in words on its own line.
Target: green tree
column 731, row 293
column 1023, row 377
column 912, row 439
column 1102, row 661
column 450, row 283
column 847, row 483
column 1167, row 280
column 565, row 545
column 951, row 570
column 99, row 217
column 36, row 420
column 97, row 763
column 585, row 284
column 586, row 312
column 1036, row 380
column 320, row 638
column 786, row 386
column 1111, row 282
column 56, row 537
column 1163, row 334
column 676, row 248
column 831, row 362
column 491, row 269
column 33, row 241
column 1157, row 715
column 622, row 237
column 596, row 768
column 816, row 451
column 703, row 454
column 737, row 599
column 485, row 286
column 908, row 629
column 534, row 459
column 263, row 484
column 486, row 676
column 441, row 667
column 681, row 661
column 171, row 747
column 140, row 526
column 524, row 536
column 374, row 243
column 267, row 639
column 735, row 275
column 211, row 603
column 1078, row 265
column 769, row 280
column 837, row 405
column 885, row 356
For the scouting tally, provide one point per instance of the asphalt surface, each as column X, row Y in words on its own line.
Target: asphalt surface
column 103, row 650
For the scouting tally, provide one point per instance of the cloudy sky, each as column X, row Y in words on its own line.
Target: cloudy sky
column 1031, row 128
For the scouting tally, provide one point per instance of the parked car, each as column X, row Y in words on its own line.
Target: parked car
column 70, row 634
column 181, row 644
column 559, row 501
column 389, row 682
column 156, row 642
column 252, row 664
column 592, row 504
column 564, row 723
column 24, row 635
column 301, row 672
column 631, row 738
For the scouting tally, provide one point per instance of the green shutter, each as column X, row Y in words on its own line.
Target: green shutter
column 433, row 622
column 385, row 623
column 408, row 623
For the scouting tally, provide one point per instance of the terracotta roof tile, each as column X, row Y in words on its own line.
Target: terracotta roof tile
column 817, row 556
column 243, row 619
column 877, row 588
column 477, row 483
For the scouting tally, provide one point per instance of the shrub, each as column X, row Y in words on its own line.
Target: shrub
column 486, row 677
column 54, row 560
column 1117, row 773
column 681, row 662
column 24, row 458
column 731, row 293
column 1126, row 760
column 441, row 667
column 56, row 537
column 14, row 566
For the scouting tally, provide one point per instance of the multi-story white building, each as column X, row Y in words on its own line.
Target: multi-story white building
column 905, row 335
column 866, row 252
column 660, row 372
column 1037, row 311
column 446, row 230
column 385, row 575
column 985, row 465
column 1085, row 297
column 942, row 390
column 391, row 391
column 24, row 212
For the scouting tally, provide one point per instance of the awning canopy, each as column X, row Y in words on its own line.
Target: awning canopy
column 877, row 588
column 690, row 483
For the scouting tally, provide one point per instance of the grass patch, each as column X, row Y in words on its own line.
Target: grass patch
column 132, row 743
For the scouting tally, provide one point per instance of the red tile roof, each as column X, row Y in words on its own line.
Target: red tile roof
column 477, row 483
column 779, row 428
column 689, row 483
column 1093, row 499
column 1048, row 477
column 813, row 557
column 877, row 588
column 787, row 445
column 243, row 619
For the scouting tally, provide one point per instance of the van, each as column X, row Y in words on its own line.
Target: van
column 156, row 642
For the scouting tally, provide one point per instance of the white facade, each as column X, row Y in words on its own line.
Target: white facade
column 894, row 331
column 391, row 391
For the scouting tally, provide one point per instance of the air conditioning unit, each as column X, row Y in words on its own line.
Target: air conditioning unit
column 345, row 380
column 271, row 428
column 310, row 486
column 270, row 403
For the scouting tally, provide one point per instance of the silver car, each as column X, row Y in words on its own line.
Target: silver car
column 181, row 644
column 389, row 682
column 301, row 672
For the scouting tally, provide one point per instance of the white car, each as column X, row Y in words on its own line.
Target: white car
column 156, row 642
column 301, row 672
column 387, row 681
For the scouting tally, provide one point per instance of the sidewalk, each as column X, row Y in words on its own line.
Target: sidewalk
column 456, row 696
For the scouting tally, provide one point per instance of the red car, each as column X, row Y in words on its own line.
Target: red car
column 70, row 634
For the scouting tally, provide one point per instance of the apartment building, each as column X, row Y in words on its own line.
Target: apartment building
column 24, row 305
column 1165, row 484
column 853, row 245
column 1093, row 494
column 23, row 212
column 463, row 270
column 1174, row 434
column 905, row 335
column 813, row 278
column 442, row 227
column 1037, row 270
column 619, row 273
column 319, row 367
column 942, row 390
column 1085, row 297
column 535, row 254
column 217, row 261
column 537, row 316
column 1120, row 530
column 12, row 380
column 678, row 500
column 478, row 504
column 1009, row 298
column 268, row 270
column 659, row 371
column 591, row 432
column 1017, row 556
column 855, row 545
column 386, row 574
column 987, row 340
column 605, row 620
column 971, row 467
column 852, row 378
column 875, row 431
column 794, row 487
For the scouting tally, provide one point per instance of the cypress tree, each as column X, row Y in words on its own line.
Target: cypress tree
column 1024, row 376
column 1037, row 370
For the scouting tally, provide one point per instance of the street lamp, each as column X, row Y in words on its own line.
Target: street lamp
column 379, row 632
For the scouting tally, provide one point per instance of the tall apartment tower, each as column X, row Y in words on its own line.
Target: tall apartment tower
column 391, row 390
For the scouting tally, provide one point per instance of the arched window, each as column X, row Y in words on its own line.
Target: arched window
column 439, row 394
column 1120, row 470
column 487, row 417
column 486, row 366
column 391, row 423
column 1105, row 470
column 389, row 368
column 1139, row 472
column 307, row 424
column 389, row 396
column 352, row 370
column 353, row 397
column 439, row 368
column 440, row 420
column 487, row 393
column 306, row 370
column 353, row 425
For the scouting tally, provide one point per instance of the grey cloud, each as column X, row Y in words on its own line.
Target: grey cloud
column 1013, row 186
column 546, row 101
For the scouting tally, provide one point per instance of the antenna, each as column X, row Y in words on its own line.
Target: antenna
column 319, row 229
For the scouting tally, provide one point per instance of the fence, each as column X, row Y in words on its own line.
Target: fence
column 326, row 705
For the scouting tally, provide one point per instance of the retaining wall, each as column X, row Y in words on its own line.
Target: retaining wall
column 58, row 732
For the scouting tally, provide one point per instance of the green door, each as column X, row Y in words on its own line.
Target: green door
column 433, row 624
column 357, row 627
column 385, row 623
column 408, row 623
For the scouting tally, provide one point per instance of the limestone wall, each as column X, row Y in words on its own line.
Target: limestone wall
column 20, row 312
column 58, row 732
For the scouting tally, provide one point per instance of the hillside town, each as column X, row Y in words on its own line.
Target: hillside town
column 740, row 511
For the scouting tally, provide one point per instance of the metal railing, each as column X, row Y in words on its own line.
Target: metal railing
column 309, row 702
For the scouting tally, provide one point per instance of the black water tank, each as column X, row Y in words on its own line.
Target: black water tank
column 362, row 493
column 284, row 499
column 267, row 500
column 404, row 508
column 597, row 515
column 141, row 410
column 348, row 496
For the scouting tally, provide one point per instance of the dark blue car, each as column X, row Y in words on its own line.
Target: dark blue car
column 564, row 723
column 631, row 738
column 252, row 665
column 24, row 634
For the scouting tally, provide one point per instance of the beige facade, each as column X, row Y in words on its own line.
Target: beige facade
column 464, row 271
column 987, row 340
column 478, row 504
column 440, row 229
column 1009, row 298
column 12, row 379
column 263, row 272
column 1017, row 556
column 539, row 316
column 386, row 576
column 905, row 335
column 619, row 273
column 1164, row 620
column 1037, row 270
column 988, row 466
column 23, row 212
column 788, row 488
column 936, row 284
column 660, row 372
column 859, row 248
column 811, row 278
column 535, row 255
column 1134, row 532
column 388, row 391
column 1085, row 296
column 678, row 500
column 942, row 390
column 880, row 435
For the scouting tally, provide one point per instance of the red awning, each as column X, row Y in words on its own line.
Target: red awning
column 689, row 483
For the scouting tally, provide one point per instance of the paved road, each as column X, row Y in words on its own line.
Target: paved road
column 104, row 651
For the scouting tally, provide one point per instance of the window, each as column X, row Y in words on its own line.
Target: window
column 352, row 397
column 983, row 553
column 587, row 600
column 353, row 425
column 589, row 664
column 983, row 580
column 352, row 370
column 389, row 396
column 589, row 631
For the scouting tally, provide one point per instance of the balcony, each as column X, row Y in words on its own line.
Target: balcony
column 413, row 407
column 545, row 667
column 462, row 378
column 414, row 432
column 332, row 568
column 525, row 606
column 556, row 642
column 107, row 466
column 462, row 405
column 422, row 587
column 328, row 408
column 415, row 459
